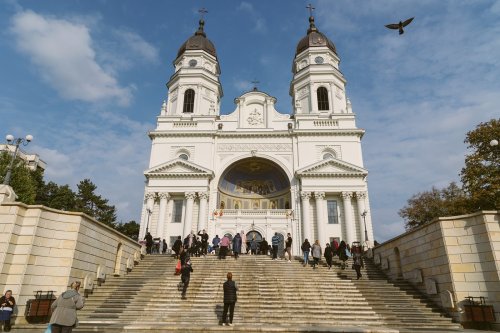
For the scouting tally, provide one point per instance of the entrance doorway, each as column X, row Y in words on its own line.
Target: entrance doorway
column 251, row 235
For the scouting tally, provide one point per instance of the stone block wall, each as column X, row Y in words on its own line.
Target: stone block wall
column 46, row 249
column 449, row 259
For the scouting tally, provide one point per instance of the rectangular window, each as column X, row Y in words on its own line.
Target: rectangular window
column 332, row 212
column 177, row 213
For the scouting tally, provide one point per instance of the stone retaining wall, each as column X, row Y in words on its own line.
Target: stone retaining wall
column 449, row 259
column 46, row 249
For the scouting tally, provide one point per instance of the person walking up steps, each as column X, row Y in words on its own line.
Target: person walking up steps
column 328, row 255
column 64, row 309
column 316, row 253
column 288, row 247
column 185, row 277
column 237, row 245
column 275, row 241
column 230, row 296
column 306, row 248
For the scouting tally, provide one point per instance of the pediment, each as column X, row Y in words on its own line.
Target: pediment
column 178, row 168
column 332, row 167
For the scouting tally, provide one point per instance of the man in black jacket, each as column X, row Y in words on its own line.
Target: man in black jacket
column 230, row 297
column 185, row 277
column 204, row 242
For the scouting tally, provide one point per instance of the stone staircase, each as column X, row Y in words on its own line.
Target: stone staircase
column 273, row 296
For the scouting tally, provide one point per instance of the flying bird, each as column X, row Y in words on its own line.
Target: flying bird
column 399, row 26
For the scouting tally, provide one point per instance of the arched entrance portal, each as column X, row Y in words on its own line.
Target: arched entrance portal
column 253, row 235
column 254, row 183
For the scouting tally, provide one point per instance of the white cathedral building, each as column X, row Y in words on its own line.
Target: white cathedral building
column 257, row 170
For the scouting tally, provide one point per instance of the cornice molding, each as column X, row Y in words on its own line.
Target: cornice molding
column 296, row 133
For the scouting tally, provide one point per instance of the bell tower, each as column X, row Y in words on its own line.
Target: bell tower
column 194, row 89
column 318, row 86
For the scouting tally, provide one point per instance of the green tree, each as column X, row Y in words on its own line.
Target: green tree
column 481, row 174
column 58, row 197
column 424, row 207
column 130, row 229
column 88, row 202
column 23, row 180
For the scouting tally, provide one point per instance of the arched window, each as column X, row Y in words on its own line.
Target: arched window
column 327, row 156
column 188, row 101
column 184, row 156
column 322, row 98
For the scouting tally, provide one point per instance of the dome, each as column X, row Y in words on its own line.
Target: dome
column 314, row 38
column 198, row 41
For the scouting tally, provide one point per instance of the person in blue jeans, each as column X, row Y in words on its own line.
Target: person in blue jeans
column 306, row 248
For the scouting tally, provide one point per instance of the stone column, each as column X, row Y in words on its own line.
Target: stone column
column 202, row 215
column 320, row 201
column 360, row 200
column 349, row 224
column 160, row 227
column 305, row 196
column 188, row 220
column 168, row 220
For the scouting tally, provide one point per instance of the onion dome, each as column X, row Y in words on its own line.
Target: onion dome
column 198, row 41
column 314, row 38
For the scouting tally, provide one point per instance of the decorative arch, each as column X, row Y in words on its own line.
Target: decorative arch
column 188, row 106
column 322, row 97
column 118, row 259
column 254, row 183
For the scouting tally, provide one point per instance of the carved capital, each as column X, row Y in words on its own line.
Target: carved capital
column 361, row 195
column 190, row 195
column 346, row 195
column 305, row 195
column 150, row 195
column 163, row 195
column 319, row 195
column 203, row 195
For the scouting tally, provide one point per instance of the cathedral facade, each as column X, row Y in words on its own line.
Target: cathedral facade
column 257, row 170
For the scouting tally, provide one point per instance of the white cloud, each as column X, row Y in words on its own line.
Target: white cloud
column 136, row 45
column 259, row 22
column 64, row 54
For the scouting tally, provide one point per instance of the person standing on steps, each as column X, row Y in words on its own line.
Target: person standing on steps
column 288, row 247
column 164, row 246
column 230, row 296
column 204, row 242
column 328, row 255
column 215, row 244
column 236, row 245
column 342, row 253
column 306, row 248
column 264, row 247
column 316, row 253
column 275, row 241
column 149, row 242
column 64, row 309
column 357, row 258
column 224, row 246
column 177, row 246
column 253, row 246
column 185, row 277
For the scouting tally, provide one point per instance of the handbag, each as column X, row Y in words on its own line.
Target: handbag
column 178, row 268
column 48, row 329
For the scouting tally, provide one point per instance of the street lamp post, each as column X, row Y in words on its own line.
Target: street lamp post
column 364, row 220
column 149, row 212
column 16, row 141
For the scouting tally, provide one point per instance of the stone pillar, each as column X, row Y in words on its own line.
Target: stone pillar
column 320, row 201
column 160, row 227
column 348, row 222
column 168, row 220
column 305, row 196
column 360, row 200
column 202, row 215
column 188, row 219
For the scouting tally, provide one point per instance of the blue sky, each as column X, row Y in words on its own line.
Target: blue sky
column 87, row 79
